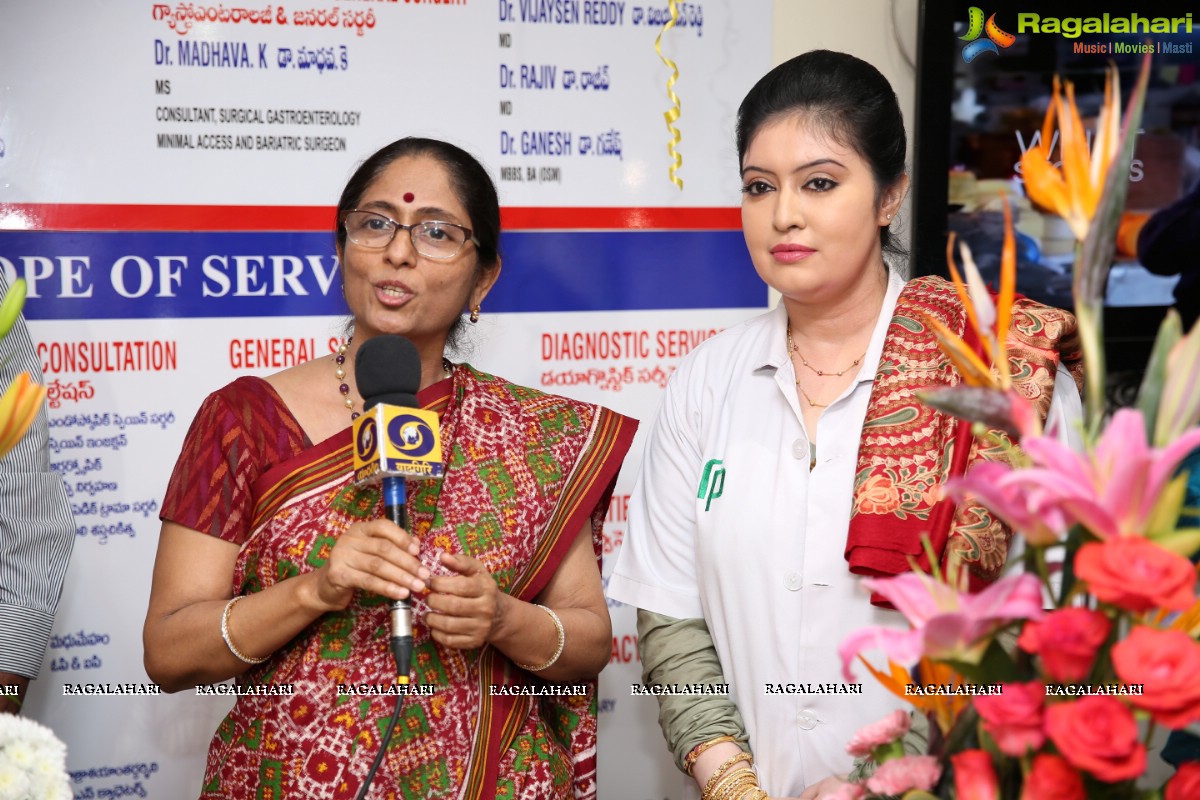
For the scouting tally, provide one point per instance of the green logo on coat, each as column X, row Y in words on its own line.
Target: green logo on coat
column 712, row 482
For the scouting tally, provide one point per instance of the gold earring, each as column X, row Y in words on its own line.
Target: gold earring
column 474, row 315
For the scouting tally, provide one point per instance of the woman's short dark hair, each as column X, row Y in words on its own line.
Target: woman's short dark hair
column 468, row 178
column 847, row 97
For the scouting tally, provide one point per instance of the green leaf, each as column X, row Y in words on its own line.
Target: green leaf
column 1075, row 540
column 986, row 742
column 888, row 751
column 1185, row 541
column 995, row 665
column 10, row 306
column 1150, row 393
column 1179, row 406
column 1165, row 517
column 965, row 733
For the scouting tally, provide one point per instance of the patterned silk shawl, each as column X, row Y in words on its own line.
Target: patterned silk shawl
column 908, row 450
column 524, row 472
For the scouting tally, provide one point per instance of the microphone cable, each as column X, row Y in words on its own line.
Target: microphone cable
column 401, row 646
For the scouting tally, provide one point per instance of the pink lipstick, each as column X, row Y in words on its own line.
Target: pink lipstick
column 791, row 253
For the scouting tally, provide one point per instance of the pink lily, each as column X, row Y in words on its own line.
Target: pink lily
column 946, row 624
column 1018, row 497
column 1114, row 491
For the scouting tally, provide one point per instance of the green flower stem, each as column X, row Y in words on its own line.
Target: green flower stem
column 1149, row 733
column 1091, row 338
column 1035, row 564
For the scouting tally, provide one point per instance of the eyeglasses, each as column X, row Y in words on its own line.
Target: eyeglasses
column 438, row 240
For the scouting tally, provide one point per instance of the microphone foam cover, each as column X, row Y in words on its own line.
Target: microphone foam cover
column 387, row 369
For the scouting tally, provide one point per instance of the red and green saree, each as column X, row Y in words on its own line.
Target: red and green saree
column 524, row 471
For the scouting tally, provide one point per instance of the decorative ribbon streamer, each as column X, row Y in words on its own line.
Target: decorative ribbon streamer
column 671, row 114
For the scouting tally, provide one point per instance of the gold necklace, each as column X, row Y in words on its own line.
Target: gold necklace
column 339, row 361
column 792, row 346
column 809, row 399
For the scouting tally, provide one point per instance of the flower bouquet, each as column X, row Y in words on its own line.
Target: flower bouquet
column 1054, row 680
column 32, row 761
column 21, row 401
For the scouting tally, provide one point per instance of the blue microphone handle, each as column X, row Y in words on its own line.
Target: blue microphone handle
column 402, row 618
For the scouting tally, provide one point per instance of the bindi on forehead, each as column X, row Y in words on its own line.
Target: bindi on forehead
column 409, row 197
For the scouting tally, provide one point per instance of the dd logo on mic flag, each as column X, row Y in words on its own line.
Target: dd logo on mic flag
column 389, row 440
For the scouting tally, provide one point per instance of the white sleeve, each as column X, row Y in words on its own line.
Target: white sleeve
column 1064, row 420
column 656, row 566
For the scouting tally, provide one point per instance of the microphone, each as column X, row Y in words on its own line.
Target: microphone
column 394, row 439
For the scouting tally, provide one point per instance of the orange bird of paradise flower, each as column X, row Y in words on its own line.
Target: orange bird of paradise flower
column 19, row 405
column 989, row 320
column 943, row 707
column 1073, row 191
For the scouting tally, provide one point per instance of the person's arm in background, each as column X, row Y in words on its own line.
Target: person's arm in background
column 1169, row 242
column 37, row 532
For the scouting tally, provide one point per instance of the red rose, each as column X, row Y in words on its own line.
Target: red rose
column 1098, row 735
column 974, row 776
column 1067, row 641
column 1185, row 783
column 1014, row 718
column 1052, row 778
column 1166, row 664
column 1135, row 574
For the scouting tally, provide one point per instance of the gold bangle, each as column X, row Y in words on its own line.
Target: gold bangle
column 689, row 761
column 562, row 640
column 742, row 755
column 229, row 642
column 755, row 792
column 726, row 788
column 738, row 790
column 733, row 784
